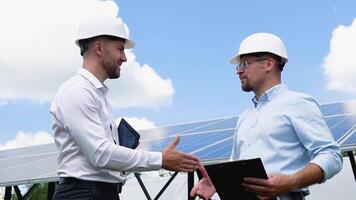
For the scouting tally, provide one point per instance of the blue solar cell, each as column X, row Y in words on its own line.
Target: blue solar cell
column 158, row 145
column 351, row 140
column 193, row 143
column 339, row 108
column 334, row 120
column 339, row 131
column 229, row 123
column 219, row 151
column 325, row 108
column 177, row 129
column 343, row 126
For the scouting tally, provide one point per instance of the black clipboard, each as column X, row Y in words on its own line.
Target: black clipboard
column 128, row 136
column 227, row 177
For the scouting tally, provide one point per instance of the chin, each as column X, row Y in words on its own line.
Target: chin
column 246, row 89
column 114, row 76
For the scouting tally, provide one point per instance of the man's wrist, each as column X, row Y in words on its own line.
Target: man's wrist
column 295, row 181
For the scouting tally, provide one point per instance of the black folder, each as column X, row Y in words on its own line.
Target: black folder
column 227, row 177
column 128, row 136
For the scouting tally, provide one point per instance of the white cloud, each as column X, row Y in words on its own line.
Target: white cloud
column 38, row 53
column 340, row 64
column 24, row 139
column 138, row 123
column 3, row 102
column 140, row 85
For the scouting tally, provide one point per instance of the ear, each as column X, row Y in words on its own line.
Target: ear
column 270, row 64
column 98, row 48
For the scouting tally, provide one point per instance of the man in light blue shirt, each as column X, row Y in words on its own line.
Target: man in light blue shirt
column 285, row 129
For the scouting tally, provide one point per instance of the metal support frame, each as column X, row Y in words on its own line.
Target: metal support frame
column 190, row 184
column 142, row 186
column 18, row 192
column 8, row 191
column 352, row 161
column 50, row 190
column 166, row 185
column 160, row 192
column 28, row 193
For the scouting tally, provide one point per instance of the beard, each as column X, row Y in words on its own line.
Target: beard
column 246, row 87
column 111, row 69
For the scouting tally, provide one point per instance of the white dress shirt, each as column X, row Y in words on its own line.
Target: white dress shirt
column 86, row 134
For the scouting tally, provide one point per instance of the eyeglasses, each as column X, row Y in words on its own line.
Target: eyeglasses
column 244, row 65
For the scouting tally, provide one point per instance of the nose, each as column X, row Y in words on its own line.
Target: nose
column 123, row 57
column 239, row 70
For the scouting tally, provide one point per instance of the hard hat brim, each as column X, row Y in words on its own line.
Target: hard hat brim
column 129, row 44
column 236, row 58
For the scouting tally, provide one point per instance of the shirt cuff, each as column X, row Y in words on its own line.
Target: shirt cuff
column 155, row 160
column 328, row 164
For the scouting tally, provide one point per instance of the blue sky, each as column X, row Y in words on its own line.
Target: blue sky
column 179, row 70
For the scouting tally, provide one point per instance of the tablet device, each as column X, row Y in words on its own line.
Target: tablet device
column 128, row 136
column 227, row 177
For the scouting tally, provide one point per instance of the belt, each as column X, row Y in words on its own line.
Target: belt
column 117, row 186
column 292, row 196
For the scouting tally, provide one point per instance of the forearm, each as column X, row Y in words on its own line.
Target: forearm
column 124, row 159
column 310, row 175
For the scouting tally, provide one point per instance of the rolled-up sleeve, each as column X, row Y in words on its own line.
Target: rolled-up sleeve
column 314, row 134
column 80, row 117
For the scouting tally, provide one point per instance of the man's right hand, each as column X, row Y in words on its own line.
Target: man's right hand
column 174, row 160
column 205, row 188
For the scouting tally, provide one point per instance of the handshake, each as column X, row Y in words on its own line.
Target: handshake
column 178, row 161
column 246, row 179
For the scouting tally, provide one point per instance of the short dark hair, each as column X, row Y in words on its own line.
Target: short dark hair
column 85, row 43
column 280, row 62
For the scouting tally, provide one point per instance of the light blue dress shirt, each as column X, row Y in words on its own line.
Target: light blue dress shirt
column 287, row 131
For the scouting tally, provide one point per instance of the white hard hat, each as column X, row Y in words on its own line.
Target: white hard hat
column 261, row 42
column 103, row 26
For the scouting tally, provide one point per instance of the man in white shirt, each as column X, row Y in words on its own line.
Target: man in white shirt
column 91, row 162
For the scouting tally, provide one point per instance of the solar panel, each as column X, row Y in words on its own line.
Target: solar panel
column 210, row 140
column 189, row 138
column 182, row 128
column 28, row 165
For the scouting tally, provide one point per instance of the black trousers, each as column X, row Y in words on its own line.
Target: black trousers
column 75, row 189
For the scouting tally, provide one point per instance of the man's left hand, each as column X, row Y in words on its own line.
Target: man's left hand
column 272, row 187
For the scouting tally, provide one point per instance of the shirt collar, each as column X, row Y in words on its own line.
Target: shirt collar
column 270, row 94
column 91, row 78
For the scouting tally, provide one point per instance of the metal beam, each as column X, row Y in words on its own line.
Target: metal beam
column 30, row 190
column 50, row 190
column 18, row 192
column 352, row 161
column 190, row 184
column 142, row 186
column 8, row 190
column 166, row 185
